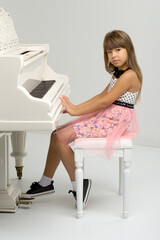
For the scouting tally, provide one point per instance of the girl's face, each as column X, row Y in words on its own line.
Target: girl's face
column 118, row 57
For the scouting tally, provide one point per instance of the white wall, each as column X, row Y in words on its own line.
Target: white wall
column 75, row 31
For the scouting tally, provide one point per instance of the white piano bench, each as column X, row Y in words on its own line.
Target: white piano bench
column 122, row 150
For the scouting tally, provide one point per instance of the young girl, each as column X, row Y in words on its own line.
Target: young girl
column 109, row 114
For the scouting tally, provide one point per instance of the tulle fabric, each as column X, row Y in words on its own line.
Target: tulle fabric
column 113, row 123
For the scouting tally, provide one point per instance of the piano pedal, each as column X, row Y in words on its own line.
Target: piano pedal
column 24, row 201
column 26, row 198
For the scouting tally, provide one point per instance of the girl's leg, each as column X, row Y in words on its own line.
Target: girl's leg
column 53, row 158
column 60, row 150
column 66, row 154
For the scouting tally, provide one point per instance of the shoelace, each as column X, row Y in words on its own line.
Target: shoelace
column 74, row 193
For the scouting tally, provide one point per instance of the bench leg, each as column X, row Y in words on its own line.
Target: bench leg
column 78, row 154
column 126, row 182
column 120, row 176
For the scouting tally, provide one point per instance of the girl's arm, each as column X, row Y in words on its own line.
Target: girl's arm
column 70, row 108
column 104, row 100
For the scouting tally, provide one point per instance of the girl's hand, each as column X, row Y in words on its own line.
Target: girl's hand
column 69, row 107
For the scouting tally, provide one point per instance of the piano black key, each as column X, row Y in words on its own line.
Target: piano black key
column 42, row 88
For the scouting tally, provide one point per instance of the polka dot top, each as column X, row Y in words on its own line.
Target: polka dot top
column 127, row 97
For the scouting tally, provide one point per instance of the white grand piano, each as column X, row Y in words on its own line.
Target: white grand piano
column 29, row 101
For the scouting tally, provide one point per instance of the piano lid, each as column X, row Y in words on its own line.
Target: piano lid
column 8, row 36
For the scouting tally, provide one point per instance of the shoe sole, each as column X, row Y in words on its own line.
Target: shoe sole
column 87, row 193
column 25, row 195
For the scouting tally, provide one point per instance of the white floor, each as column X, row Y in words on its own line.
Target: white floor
column 53, row 216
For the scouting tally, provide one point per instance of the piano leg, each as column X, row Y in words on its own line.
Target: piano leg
column 8, row 193
column 18, row 140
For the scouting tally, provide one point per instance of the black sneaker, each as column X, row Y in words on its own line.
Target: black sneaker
column 86, row 189
column 36, row 190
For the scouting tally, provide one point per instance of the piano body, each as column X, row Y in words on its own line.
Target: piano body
column 29, row 101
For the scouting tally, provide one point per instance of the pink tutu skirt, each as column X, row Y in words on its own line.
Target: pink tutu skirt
column 112, row 123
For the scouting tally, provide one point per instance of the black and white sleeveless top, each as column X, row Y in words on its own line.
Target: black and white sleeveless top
column 126, row 97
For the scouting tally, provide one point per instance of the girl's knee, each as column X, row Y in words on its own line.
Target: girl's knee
column 53, row 136
column 63, row 136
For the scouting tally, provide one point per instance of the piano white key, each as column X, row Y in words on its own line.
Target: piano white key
column 56, row 112
column 56, row 103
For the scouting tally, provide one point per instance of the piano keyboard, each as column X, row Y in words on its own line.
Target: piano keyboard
column 42, row 88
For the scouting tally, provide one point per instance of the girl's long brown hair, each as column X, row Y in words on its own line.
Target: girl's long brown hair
column 118, row 38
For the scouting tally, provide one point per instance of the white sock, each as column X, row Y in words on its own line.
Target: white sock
column 45, row 181
column 74, row 186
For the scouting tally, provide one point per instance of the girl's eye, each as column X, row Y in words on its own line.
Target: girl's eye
column 118, row 49
column 108, row 52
